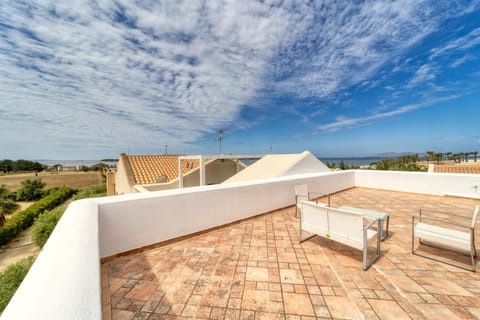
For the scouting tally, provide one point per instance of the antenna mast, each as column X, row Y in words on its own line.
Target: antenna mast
column 220, row 139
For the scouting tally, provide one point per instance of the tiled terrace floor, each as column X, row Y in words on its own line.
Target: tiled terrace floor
column 256, row 269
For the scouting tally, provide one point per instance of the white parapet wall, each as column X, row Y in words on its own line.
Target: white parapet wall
column 131, row 222
column 64, row 282
column 462, row 185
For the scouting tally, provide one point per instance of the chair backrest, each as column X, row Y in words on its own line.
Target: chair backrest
column 301, row 190
column 315, row 215
column 475, row 215
column 346, row 224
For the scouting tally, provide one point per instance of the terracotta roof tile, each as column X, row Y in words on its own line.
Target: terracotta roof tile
column 467, row 169
column 148, row 169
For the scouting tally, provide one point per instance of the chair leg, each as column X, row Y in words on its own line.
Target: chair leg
column 474, row 262
column 364, row 254
column 379, row 235
column 413, row 235
column 386, row 229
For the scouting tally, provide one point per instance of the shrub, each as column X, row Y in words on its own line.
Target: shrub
column 25, row 218
column 45, row 224
column 31, row 190
column 7, row 205
column 11, row 278
column 47, row 221
column 99, row 190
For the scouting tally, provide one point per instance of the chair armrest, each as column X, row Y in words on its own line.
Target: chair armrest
column 420, row 218
column 422, row 211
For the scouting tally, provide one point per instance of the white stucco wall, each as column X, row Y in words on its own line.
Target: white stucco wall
column 215, row 172
column 122, row 181
column 420, row 182
column 64, row 281
column 128, row 223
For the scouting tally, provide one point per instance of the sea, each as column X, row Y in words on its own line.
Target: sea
column 87, row 163
column 352, row 161
column 355, row 161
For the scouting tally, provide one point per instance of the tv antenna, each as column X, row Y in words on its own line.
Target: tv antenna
column 166, row 148
column 220, row 138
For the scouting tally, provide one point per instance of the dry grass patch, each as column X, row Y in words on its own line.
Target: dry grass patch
column 69, row 179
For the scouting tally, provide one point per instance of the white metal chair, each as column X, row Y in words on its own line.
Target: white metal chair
column 342, row 226
column 444, row 234
column 302, row 194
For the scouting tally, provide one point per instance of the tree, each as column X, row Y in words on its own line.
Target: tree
column 7, row 204
column 430, row 155
column 438, row 157
column 383, row 165
column 31, row 190
column 456, row 157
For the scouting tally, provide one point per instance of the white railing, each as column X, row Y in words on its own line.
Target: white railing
column 64, row 282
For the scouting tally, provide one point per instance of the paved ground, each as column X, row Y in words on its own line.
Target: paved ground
column 20, row 247
column 257, row 269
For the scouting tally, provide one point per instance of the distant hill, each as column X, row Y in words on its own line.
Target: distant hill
column 391, row 155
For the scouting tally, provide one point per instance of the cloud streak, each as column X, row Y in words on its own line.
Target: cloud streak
column 343, row 123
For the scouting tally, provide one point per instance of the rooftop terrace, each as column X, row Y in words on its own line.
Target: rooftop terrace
column 251, row 265
column 257, row 269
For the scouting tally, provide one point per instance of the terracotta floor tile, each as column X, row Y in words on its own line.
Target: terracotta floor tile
column 474, row 311
column 291, row 276
column 298, row 304
column 342, row 308
column 257, row 274
column 215, row 297
column 406, row 284
column 217, row 313
column 122, row 314
column 256, row 300
column 436, row 311
column 142, row 291
column 435, row 285
column 388, row 310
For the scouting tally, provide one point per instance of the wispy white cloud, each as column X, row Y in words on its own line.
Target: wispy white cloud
column 425, row 73
column 456, row 50
column 110, row 75
column 462, row 44
column 343, row 122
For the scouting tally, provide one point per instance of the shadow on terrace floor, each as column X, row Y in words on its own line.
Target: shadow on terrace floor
column 256, row 269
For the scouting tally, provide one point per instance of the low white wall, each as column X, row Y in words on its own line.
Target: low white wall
column 420, row 182
column 127, row 223
column 64, row 281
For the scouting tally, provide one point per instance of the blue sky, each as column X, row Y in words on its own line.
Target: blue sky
column 88, row 80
